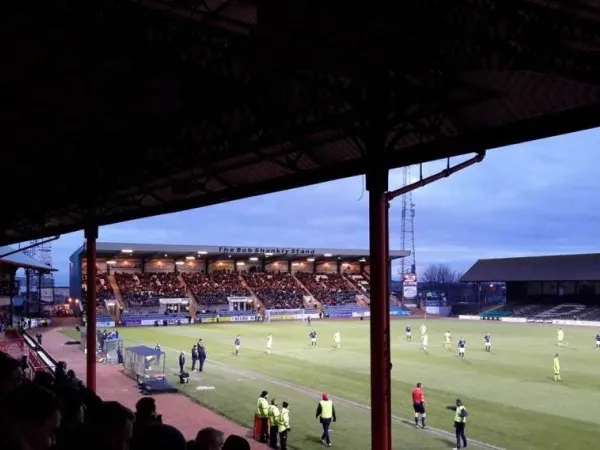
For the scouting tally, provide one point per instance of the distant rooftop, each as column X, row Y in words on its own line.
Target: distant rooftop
column 582, row 267
column 115, row 250
column 21, row 260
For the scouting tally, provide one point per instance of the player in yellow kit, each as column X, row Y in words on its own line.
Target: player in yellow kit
column 556, row 368
column 448, row 338
column 560, row 337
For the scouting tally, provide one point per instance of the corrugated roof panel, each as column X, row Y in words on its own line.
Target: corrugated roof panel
column 583, row 267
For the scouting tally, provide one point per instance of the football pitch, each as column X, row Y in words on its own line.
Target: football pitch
column 512, row 400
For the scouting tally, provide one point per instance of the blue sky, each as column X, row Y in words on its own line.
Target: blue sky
column 531, row 199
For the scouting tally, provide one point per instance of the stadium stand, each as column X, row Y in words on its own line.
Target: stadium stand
column 360, row 282
column 329, row 289
column 276, row 290
column 103, row 289
column 592, row 314
column 562, row 311
column 144, row 289
column 213, row 289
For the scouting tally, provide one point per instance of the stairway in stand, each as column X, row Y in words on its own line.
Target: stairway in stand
column 258, row 304
column 308, row 293
column 121, row 305
column 190, row 295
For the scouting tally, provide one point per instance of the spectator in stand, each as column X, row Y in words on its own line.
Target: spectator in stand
column 11, row 374
column 144, row 289
column 235, row 442
column 29, row 418
column 64, row 415
column 103, row 288
column 209, row 439
column 277, row 290
column 215, row 287
column 330, row 289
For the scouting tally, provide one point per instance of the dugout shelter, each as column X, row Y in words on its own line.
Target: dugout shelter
column 143, row 362
column 194, row 105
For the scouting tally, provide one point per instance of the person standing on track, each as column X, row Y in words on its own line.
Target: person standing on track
column 419, row 404
column 262, row 410
column 284, row 425
column 326, row 415
column 460, row 422
column 274, row 423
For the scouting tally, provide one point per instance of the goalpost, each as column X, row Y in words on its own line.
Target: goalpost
column 285, row 314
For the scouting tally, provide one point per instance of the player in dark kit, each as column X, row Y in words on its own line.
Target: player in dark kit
column 597, row 340
column 313, row 338
column 487, row 339
column 419, row 404
column 236, row 344
column 408, row 330
column 462, row 343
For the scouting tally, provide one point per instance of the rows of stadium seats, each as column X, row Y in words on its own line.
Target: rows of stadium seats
column 129, row 316
column 562, row 311
column 276, row 290
column 360, row 282
column 103, row 289
column 213, row 289
column 144, row 289
column 329, row 289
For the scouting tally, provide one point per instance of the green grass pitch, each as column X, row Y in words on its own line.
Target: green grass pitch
column 513, row 402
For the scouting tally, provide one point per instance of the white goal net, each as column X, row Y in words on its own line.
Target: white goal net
column 284, row 314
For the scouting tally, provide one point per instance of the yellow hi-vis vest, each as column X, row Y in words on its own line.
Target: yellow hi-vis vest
column 273, row 415
column 284, row 420
column 458, row 417
column 262, row 407
column 326, row 409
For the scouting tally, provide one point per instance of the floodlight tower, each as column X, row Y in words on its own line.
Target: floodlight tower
column 407, row 227
column 40, row 250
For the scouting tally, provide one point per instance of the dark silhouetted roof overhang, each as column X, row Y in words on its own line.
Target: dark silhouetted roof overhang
column 123, row 109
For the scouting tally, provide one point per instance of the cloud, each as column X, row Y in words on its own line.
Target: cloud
column 530, row 199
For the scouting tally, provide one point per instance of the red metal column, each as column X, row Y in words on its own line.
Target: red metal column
column 91, row 234
column 377, row 109
column 388, row 349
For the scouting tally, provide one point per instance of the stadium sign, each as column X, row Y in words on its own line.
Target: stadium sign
column 274, row 251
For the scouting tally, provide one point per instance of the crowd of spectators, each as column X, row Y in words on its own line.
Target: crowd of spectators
column 44, row 412
column 104, row 290
column 215, row 287
column 330, row 289
column 276, row 290
column 144, row 289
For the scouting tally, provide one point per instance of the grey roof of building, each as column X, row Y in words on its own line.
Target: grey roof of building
column 115, row 250
column 20, row 259
column 581, row 267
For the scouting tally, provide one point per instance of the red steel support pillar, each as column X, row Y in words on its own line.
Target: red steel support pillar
column 377, row 185
column 91, row 234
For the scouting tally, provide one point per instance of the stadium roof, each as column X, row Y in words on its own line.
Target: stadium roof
column 21, row 260
column 585, row 267
column 175, row 105
column 114, row 250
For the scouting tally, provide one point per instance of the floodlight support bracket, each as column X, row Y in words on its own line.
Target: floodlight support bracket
column 438, row 176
